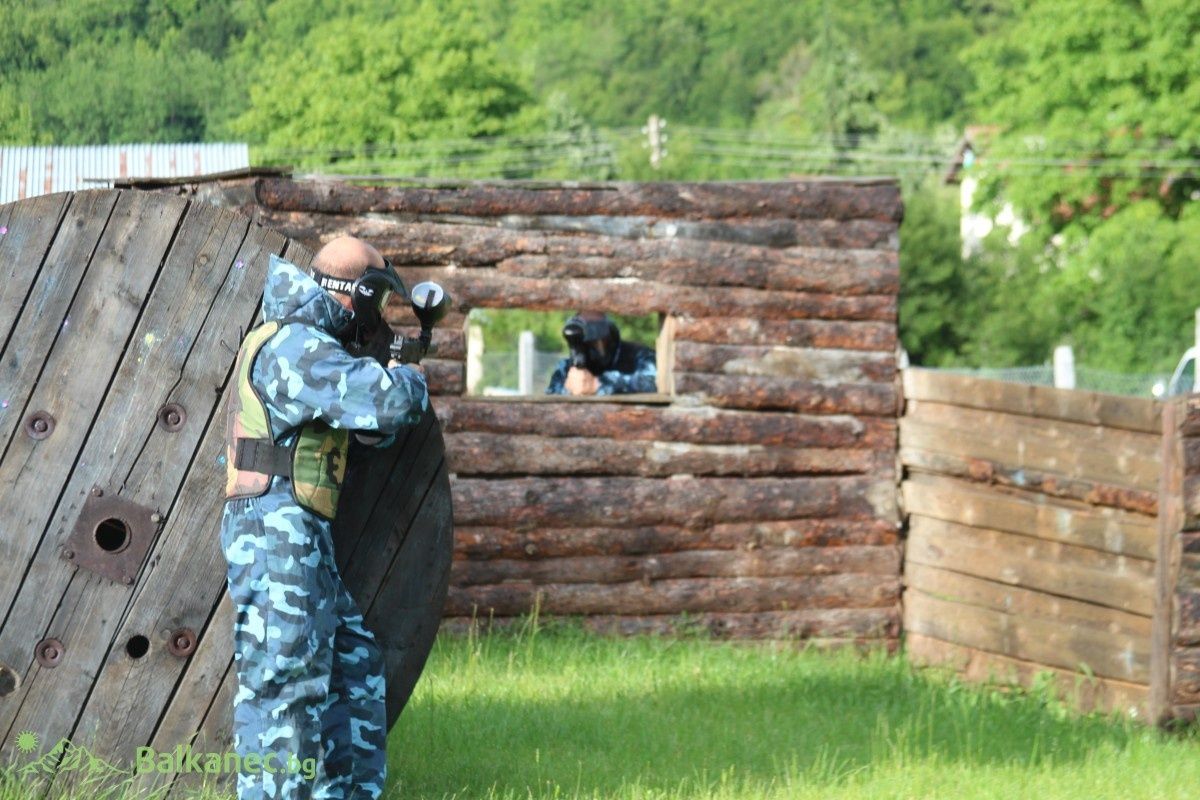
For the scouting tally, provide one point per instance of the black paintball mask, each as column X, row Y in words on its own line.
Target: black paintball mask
column 369, row 295
column 593, row 343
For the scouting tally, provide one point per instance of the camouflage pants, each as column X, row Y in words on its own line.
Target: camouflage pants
column 310, row 675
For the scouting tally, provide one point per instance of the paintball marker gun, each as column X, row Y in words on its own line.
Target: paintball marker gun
column 430, row 303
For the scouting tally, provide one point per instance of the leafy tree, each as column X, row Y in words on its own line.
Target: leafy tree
column 354, row 81
column 1100, row 121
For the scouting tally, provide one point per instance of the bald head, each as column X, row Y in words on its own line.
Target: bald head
column 346, row 257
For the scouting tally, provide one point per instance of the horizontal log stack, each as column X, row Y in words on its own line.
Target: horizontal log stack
column 1032, row 534
column 760, row 501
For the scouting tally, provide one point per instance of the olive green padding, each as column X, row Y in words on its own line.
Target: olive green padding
column 246, row 416
column 319, row 466
column 318, row 454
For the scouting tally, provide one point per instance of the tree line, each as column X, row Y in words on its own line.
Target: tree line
column 1090, row 109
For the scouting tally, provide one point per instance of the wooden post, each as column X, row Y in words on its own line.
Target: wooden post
column 1175, row 643
column 1064, row 367
column 474, row 357
column 526, row 354
column 1195, row 371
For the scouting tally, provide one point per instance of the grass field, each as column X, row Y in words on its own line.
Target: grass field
column 554, row 712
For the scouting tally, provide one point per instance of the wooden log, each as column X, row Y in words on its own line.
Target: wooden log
column 775, row 233
column 444, row 377
column 621, row 501
column 1083, row 451
column 1084, row 692
column 760, row 563
column 693, row 262
column 487, row 289
column 472, row 453
column 481, row 542
column 1031, row 626
column 1185, row 676
column 818, row 623
column 982, row 470
column 872, row 336
column 953, row 500
column 806, row 200
column 669, row 423
column 1071, row 405
column 678, row 596
column 817, row 270
column 804, row 363
column 789, row 394
column 1080, row 573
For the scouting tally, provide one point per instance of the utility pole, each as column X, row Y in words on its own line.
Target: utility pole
column 656, row 139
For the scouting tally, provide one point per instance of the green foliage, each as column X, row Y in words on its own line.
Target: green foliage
column 1098, row 105
column 350, row 81
column 935, row 307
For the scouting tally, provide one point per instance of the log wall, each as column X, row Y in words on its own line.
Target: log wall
column 760, row 501
column 1032, row 534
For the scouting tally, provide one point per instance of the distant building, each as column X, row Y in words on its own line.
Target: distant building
column 974, row 226
column 32, row 171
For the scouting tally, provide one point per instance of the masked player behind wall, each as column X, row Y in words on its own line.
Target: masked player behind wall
column 600, row 363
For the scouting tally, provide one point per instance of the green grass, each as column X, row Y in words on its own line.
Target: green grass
column 550, row 711
column 563, row 714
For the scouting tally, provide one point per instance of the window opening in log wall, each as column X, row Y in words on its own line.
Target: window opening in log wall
column 514, row 353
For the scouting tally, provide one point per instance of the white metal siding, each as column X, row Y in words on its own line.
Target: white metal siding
column 31, row 171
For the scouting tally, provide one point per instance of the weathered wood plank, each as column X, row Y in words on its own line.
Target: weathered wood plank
column 1071, row 405
column 1171, row 600
column 759, row 563
column 1083, row 451
column 670, row 423
column 501, row 454
column 804, row 363
column 480, row 542
column 179, row 591
column 954, row 500
column 807, row 200
column 767, row 393
column 1084, row 692
column 982, row 470
column 808, row 623
column 28, row 230
column 625, row 501
column 1077, row 572
column 103, row 317
column 678, row 596
column 870, row 336
column 1026, row 624
column 34, row 335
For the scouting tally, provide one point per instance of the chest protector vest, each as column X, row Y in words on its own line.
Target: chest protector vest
column 315, row 460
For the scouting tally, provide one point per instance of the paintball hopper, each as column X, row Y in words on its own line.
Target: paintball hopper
column 430, row 304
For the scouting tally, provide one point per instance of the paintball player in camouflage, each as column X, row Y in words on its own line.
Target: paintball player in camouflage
column 310, row 675
column 600, row 363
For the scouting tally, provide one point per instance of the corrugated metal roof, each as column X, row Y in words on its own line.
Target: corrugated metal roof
column 32, row 171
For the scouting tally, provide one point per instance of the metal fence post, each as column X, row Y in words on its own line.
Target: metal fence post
column 1064, row 367
column 525, row 362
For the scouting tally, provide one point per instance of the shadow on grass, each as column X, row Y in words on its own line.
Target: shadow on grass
column 668, row 713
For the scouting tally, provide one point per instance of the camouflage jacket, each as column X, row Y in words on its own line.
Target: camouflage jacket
column 304, row 373
column 636, row 371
